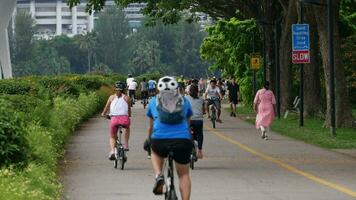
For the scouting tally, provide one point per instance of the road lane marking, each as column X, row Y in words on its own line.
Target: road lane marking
column 284, row 165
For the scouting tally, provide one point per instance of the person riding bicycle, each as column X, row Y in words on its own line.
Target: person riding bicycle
column 169, row 131
column 196, row 122
column 181, row 84
column 213, row 96
column 129, row 79
column 144, row 89
column 132, row 90
column 152, row 87
column 117, row 107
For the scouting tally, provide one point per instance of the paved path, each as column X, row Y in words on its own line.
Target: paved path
column 237, row 165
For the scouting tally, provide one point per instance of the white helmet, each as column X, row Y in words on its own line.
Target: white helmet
column 167, row 83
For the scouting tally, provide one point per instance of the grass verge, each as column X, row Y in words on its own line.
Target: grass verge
column 313, row 131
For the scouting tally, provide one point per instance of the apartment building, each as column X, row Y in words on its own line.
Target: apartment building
column 54, row 17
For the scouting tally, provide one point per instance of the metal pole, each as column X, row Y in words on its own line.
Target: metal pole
column 277, row 70
column 264, row 54
column 301, row 90
column 254, row 71
column 331, row 67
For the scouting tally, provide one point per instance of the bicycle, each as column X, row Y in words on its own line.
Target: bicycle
column 170, row 193
column 144, row 99
column 193, row 156
column 120, row 153
column 213, row 109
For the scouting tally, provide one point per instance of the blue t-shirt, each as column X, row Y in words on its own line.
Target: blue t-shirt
column 169, row 131
column 151, row 84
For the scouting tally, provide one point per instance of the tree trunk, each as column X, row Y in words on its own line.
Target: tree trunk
column 269, row 42
column 290, row 16
column 343, row 109
column 312, row 86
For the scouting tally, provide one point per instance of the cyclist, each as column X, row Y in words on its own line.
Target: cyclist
column 119, row 111
column 213, row 96
column 152, row 87
column 144, row 90
column 169, row 131
column 129, row 79
column 132, row 90
column 181, row 84
column 196, row 122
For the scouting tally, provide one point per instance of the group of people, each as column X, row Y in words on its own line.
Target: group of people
column 175, row 116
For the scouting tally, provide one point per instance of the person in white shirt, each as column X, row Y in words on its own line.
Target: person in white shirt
column 213, row 96
column 132, row 91
column 129, row 79
column 117, row 107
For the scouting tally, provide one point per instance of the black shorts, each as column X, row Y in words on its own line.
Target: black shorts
column 181, row 148
column 132, row 93
column 144, row 94
column 233, row 100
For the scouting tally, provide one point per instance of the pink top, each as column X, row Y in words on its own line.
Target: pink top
column 265, row 100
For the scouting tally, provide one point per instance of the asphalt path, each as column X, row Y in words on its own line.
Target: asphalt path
column 237, row 165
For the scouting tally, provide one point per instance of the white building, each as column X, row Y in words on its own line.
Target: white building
column 54, row 17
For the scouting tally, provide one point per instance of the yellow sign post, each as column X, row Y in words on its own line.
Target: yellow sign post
column 255, row 61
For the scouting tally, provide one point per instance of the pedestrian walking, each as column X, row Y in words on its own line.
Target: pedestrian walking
column 234, row 95
column 265, row 107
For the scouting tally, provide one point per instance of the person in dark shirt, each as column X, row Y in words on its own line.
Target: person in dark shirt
column 234, row 95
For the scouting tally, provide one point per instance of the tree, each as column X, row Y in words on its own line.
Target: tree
column 69, row 47
column 88, row 43
column 146, row 57
column 21, row 39
column 112, row 33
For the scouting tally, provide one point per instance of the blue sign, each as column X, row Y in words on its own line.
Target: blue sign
column 300, row 37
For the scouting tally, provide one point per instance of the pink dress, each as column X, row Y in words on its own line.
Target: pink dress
column 265, row 100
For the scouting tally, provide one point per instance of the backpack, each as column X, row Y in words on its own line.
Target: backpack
column 170, row 107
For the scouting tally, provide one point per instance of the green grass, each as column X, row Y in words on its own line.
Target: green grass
column 313, row 131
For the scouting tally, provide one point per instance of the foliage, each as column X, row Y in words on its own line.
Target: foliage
column 13, row 145
column 349, row 57
column 71, row 49
column 59, row 85
column 21, row 38
column 145, row 58
column 15, row 86
column 228, row 46
column 34, row 130
column 112, row 32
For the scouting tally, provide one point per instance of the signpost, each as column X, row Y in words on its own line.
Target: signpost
column 300, row 44
column 255, row 64
column 301, row 55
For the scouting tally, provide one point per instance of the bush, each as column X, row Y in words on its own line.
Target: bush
column 13, row 143
column 60, row 86
column 89, row 82
column 16, row 86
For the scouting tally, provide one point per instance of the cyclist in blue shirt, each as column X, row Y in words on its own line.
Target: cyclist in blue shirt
column 152, row 87
column 170, row 133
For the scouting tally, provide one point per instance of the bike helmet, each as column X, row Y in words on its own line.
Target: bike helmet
column 167, row 83
column 120, row 86
column 129, row 75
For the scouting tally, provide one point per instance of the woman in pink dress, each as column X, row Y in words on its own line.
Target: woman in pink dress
column 264, row 106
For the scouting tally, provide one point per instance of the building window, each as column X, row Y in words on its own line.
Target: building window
column 45, row 9
column 45, row 17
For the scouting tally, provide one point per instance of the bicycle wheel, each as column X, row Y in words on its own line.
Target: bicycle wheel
column 171, row 195
column 192, row 160
column 213, row 117
column 122, row 158
column 115, row 163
